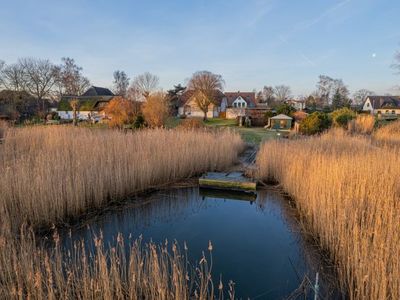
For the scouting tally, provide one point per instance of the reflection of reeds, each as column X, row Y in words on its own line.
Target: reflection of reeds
column 347, row 189
column 142, row 272
column 49, row 174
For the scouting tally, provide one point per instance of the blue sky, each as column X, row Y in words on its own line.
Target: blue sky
column 250, row 43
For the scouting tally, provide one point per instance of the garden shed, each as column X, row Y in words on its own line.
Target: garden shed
column 281, row 122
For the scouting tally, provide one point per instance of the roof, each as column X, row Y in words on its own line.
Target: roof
column 281, row 117
column 187, row 94
column 85, row 103
column 384, row 101
column 249, row 97
column 97, row 91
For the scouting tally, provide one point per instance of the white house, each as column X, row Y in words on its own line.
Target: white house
column 383, row 106
column 237, row 102
column 91, row 104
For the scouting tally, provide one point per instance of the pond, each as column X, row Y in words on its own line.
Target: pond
column 257, row 242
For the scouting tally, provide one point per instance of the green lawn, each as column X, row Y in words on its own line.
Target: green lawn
column 254, row 135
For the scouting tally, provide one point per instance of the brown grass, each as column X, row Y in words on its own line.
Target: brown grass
column 363, row 124
column 49, row 174
column 348, row 190
column 389, row 133
column 133, row 271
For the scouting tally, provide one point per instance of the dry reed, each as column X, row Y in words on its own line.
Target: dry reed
column 133, row 271
column 347, row 190
column 389, row 134
column 363, row 124
column 49, row 174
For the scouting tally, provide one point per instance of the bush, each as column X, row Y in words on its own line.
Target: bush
column 139, row 122
column 156, row 110
column 315, row 123
column 341, row 117
column 285, row 109
column 120, row 112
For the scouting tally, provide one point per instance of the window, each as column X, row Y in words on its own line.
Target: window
column 367, row 104
column 393, row 112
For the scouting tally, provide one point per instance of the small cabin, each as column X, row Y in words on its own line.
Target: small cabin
column 281, row 122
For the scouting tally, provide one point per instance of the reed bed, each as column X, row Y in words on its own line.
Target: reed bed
column 133, row 271
column 388, row 134
column 347, row 190
column 50, row 174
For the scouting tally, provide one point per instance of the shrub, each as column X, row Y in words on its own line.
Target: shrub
column 156, row 110
column 315, row 123
column 341, row 117
column 285, row 109
column 120, row 111
column 139, row 122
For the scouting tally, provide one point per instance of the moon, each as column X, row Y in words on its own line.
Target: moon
column 373, row 55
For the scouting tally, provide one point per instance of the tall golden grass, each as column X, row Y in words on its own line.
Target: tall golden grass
column 50, row 174
column 348, row 190
column 134, row 271
column 389, row 134
column 362, row 124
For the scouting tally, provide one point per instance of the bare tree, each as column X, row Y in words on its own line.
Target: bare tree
column 396, row 64
column 144, row 84
column 70, row 80
column 282, row 92
column 121, row 83
column 40, row 75
column 327, row 87
column 360, row 95
column 2, row 64
column 13, row 77
column 75, row 107
column 205, row 86
column 268, row 94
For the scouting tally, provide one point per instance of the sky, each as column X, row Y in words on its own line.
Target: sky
column 251, row 43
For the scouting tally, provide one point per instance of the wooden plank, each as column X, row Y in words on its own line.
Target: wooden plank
column 230, row 181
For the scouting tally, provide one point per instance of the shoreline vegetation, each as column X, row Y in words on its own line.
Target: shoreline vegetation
column 346, row 188
column 51, row 174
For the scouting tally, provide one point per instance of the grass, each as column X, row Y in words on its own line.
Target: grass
column 347, row 191
column 253, row 135
column 50, row 174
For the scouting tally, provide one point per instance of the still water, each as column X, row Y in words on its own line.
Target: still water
column 257, row 242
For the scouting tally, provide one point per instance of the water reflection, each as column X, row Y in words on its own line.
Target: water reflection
column 256, row 239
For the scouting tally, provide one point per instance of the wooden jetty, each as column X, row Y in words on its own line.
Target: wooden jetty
column 234, row 181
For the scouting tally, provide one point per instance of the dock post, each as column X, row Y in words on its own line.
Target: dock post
column 316, row 287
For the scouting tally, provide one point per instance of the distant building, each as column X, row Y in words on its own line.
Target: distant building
column 91, row 104
column 297, row 104
column 227, row 105
column 236, row 103
column 383, row 106
column 188, row 106
column 280, row 122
